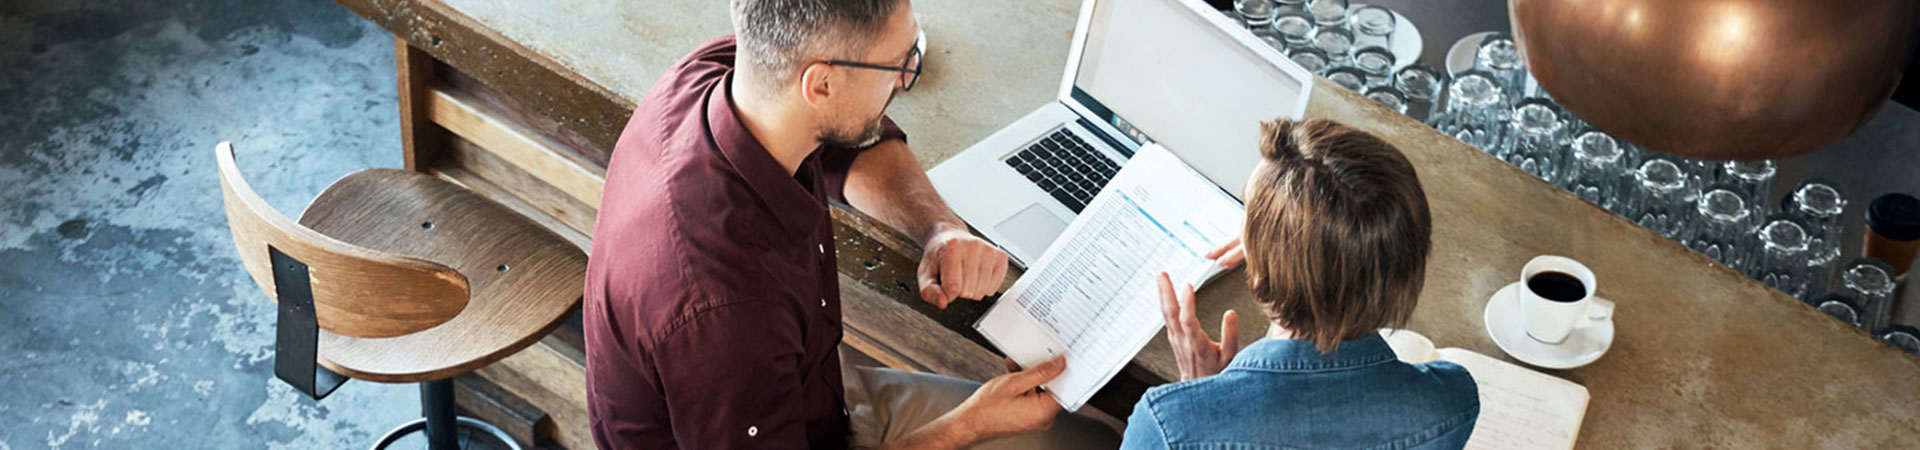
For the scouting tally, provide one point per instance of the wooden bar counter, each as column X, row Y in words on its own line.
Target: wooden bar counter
column 521, row 101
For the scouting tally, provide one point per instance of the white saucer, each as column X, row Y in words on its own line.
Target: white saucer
column 1583, row 345
column 1460, row 56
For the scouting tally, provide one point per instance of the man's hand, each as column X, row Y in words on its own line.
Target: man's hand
column 1006, row 405
column 886, row 182
column 1011, row 404
column 958, row 264
column 1229, row 254
column 1198, row 355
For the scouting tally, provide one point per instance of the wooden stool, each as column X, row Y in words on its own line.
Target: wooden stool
column 399, row 277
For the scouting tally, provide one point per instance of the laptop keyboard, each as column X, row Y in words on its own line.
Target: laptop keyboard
column 1066, row 167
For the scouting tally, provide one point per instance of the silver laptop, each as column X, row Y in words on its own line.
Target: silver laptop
column 1168, row 71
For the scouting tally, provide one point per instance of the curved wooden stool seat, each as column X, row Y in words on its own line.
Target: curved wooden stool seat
column 523, row 279
column 396, row 276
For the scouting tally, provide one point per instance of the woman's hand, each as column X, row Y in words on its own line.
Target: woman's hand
column 1229, row 255
column 1198, row 355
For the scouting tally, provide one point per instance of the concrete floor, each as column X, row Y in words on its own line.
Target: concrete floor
column 125, row 319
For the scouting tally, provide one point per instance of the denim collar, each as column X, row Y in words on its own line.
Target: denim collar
column 1290, row 355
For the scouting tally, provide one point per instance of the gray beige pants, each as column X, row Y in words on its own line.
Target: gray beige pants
column 886, row 405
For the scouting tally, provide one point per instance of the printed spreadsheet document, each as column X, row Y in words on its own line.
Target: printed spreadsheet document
column 1092, row 294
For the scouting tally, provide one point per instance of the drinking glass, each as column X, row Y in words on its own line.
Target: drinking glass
column 1597, row 169
column 1499, row 55
column 1819, row 204
column 1726, row 223
column 1783, row 255
column 1754, row 178
column 1632, row 154
column 1291, row 6
column 1536, row 139
column 1704, row 172
column 1348, row 77
column 1376, row 62
column 1389, row 96
column 1663, row 197
column 1372, row 26
column 1840, row 307
column 1294, row 28
column 1480, row 136
column 1473, row 100
column 1329, row 12
column 1870, row 282
column 1266, row 36
column 1422, row 85
column 1903, row 337
column 1473, row 104
column 1336, row 42
column 1255, row 14
column 1309, row 58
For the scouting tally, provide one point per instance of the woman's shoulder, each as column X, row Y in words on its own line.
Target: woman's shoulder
column 1451, row 380
column 1205, row 390
column 1446, row 369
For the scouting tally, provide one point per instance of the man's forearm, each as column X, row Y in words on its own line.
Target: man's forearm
column 886, row 182
column 943, row 433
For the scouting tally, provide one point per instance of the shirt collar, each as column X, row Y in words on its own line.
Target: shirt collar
column 1290, row 355
column 797, row 207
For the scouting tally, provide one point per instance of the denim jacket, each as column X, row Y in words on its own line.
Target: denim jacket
column 1284, row 394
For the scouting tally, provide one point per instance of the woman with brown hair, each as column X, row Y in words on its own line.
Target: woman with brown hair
column 1336, row 242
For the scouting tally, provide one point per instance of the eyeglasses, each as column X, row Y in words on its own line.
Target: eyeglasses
column 909, row 72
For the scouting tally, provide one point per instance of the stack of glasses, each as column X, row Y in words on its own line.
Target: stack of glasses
column 1348, row 44
column 1720, row 208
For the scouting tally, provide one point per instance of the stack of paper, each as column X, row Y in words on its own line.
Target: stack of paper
column 1092, row 295
column 1519, row 408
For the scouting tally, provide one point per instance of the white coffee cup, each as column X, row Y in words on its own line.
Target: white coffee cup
column 1551, row 320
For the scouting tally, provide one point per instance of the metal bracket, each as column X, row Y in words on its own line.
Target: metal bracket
column 297, row 334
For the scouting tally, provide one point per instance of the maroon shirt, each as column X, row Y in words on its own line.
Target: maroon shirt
column 712, row 307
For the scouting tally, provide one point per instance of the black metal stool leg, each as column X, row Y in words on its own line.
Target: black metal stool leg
column 436, row 403
column 440, row 425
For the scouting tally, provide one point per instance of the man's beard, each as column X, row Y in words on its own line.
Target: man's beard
column 866, row 136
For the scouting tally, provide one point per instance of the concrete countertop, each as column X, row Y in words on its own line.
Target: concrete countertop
column 1705, row 357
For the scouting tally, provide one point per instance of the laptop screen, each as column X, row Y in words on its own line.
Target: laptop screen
column 1160, row 71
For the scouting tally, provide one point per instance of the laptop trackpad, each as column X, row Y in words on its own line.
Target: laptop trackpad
column 1032, row 229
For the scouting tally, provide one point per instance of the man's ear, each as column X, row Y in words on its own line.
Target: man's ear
column 816, row 83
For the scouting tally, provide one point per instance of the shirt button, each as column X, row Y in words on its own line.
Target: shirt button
column 823, row 249
column 823, row 303
column 753, row 431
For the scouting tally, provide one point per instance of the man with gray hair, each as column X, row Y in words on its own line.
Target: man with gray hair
column 712, row 309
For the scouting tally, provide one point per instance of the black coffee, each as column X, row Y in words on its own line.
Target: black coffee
column 1556, row 286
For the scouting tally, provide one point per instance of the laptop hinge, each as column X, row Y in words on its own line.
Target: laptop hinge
column 1098, row 132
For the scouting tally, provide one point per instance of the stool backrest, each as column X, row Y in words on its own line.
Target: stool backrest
column 357, row 291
